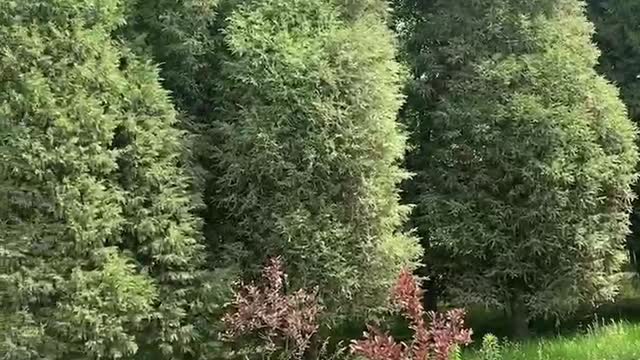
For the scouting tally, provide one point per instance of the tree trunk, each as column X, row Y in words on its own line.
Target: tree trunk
column 431, row 295
column 633, row 253
column 632, row 237
column 519, row 318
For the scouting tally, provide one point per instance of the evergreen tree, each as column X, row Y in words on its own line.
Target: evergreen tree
column 98, row 248
column 298, row 100
column 186, row 38
column 309, row 150
column 182, row 36
column 524, row 155
column 618, row 36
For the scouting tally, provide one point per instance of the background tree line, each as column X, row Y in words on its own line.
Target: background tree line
column 154, row 152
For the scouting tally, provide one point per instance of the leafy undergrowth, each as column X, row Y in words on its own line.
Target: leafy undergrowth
column 613, row 341
column 625, row 308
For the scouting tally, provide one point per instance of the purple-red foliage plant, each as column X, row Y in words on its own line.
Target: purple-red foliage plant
column 285, row 322
column 432, row 340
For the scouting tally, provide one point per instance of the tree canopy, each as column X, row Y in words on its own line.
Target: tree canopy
column 155, row 155
column 524, row 155
column 99, row 244
column 303, row 150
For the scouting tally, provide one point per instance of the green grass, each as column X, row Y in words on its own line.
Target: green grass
column 614, row 341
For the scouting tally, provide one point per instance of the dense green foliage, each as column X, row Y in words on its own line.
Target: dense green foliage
column 524, row 155
column 299, row 101
column 183, row 37
column 97, row 242
column 618, row 36
column 310, row 147
column 154, row 152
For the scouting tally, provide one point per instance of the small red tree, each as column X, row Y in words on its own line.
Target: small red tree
column 435, row 339
column 286, row 322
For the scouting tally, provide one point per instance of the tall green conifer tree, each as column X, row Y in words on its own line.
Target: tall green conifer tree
column 524, row 155
column 299, row 101
column 98, row 247
column 310, row 146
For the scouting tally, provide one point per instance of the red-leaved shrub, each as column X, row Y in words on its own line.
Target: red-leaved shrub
column 432, row 340
column 285, row 322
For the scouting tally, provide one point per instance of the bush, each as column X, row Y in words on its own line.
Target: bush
column 439, row 339
column 273, row 321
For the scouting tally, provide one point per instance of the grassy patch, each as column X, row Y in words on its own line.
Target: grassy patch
column 614, row 341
